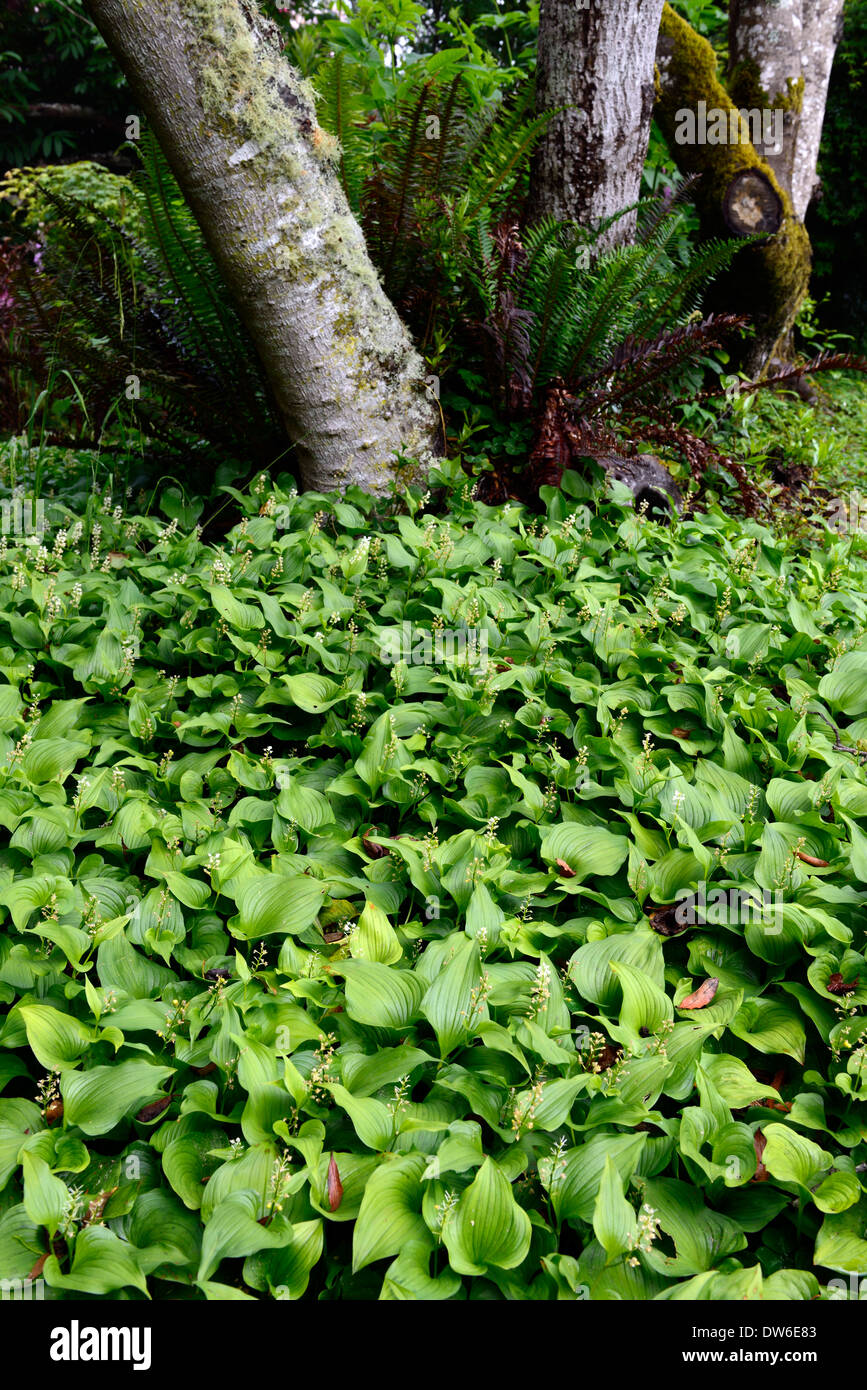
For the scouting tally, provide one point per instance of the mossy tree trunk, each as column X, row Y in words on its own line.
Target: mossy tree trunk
column 239, row 130
column 595, row 61
column 767, row 281
column 765, row 72
column 781, row 59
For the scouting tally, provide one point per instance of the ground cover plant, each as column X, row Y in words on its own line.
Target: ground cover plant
column 420, row 899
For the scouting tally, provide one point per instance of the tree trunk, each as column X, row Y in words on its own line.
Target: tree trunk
column 239, row 130
column 782, row 61
column 736, row 192
column 595, row 59
column 765, row 73
column 822, row 30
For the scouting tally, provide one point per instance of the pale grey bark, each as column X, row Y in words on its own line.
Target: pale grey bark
column 822, row 25
column 765, row 62
column 596, row 60
column 782, row 53
column 239, row 130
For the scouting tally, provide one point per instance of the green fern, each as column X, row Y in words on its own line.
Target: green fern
column 142, row 298
column 581, row 305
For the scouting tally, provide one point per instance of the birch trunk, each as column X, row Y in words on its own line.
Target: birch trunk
column 239, row 130
column 596, row 60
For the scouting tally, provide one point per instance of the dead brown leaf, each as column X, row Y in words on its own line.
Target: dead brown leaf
column 701, row 997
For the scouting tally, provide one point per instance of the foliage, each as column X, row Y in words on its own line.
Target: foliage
column 61, row 93
column 425, row 148
column 128, row 309
column 838, row 220
column 331, row 975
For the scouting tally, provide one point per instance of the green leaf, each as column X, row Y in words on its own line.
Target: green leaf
column 101, row 1263
column 452, row 1004
column 97, row 1100
column 792, row 1157
column 409, row 1278
column 770, row 1025
column 313, row 693
column 487, row 1227
column 614, row 1221
column 233, row 1230
column 380, row 997
column 840, row 1243
column 845, row 688
column 304, row 805
column 372, row 1121
column 838, row 1192
column 45, row 1196
column 575, row 1179
column 56, row 1040
column 287, row 1270
column 244, row 616
column 735, row 1082
column 277, row 903
column 645, row 1005
column 587, row 849
column 374, row 938
column 590, row 966
column 390, row 1210
column 702, row 1237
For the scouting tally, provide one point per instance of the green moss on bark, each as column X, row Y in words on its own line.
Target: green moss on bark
column 768, row 281
column 747, row 91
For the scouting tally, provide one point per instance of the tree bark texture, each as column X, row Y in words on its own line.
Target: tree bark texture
column 780, row 58
column 238, row 127
column 596, row 61
column 822, row 22
column 767, row 281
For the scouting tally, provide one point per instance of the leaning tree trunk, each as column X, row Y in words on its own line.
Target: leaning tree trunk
column 782, row 60
column 596, row 62
column 239, row 130
column 737, row 193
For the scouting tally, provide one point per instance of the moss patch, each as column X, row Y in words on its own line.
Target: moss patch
column 768, row 281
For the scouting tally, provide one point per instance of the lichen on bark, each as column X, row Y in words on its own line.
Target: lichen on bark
column 238, row 126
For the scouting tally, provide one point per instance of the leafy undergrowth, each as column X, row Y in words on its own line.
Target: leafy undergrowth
column 428, row 906
column 808, row 461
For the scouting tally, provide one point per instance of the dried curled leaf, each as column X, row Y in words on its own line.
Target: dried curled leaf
column 759, row 1141
column 701, row 997
column 97, row 1206
column 837, row 985
column 375, row 851
column 156, row 1107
